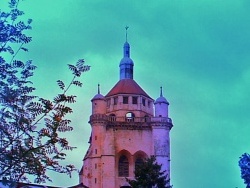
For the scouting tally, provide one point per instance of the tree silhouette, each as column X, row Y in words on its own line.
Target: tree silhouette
column 148, row 174
column 30, row 126
column 244, row 164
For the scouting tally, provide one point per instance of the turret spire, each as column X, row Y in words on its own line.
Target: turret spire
column 126, row 33
column 161, row 99
column 98, row 90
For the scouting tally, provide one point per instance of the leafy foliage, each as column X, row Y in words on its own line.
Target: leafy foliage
column 30, row 126
column 149, row 175
column 244, row 164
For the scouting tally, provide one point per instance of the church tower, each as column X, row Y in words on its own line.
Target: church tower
column 127, row 127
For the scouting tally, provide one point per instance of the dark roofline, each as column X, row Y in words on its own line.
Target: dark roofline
column 22, row 185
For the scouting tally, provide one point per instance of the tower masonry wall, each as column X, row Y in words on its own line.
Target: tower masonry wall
column 161, row 110
column 161, row 142
column 133, row 141
column 86, row 176
column 99, row 106
column 108, row 147
column 107, row 168
column 146, row 106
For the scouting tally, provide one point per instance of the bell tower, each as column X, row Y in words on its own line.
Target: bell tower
column 127, row 127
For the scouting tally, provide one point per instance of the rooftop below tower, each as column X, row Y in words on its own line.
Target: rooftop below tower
column 127, row 86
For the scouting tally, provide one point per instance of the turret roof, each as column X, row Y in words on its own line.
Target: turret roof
column 127, row 86
column 161, row 99
column 98, row 95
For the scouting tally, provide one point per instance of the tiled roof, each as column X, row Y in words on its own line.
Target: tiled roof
column 127, row 86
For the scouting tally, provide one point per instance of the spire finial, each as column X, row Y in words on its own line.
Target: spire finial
column 98, row 88
column 126, row 33
column 161, row 92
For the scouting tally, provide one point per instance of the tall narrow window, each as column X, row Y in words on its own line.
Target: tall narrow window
column 108, row 102
column 115, row 100
column 134, row 100
column 123, row 167
column 138, row 162
column 125, row 100
column 143, row 102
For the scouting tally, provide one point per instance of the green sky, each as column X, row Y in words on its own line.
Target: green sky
column 198, row 50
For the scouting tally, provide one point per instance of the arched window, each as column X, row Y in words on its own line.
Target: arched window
column 138, row 162
column 123, row 167
column 130, row 116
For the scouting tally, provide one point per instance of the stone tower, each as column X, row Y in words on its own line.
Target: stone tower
column 127, row 126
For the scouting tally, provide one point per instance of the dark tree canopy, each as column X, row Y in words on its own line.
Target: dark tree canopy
column 244, row 164
column 148, row 174
column 30, row 126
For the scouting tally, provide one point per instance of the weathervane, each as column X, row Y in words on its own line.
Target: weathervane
column 126, row 32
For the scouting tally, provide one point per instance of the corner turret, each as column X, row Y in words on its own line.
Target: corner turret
column 98, row 103
column 161, row 106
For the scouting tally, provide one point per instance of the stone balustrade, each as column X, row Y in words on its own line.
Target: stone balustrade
column 134, row 120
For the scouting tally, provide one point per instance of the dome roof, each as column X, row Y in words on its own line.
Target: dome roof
column 127, row 86
column 161, row 100
column 127, row 61
column 98, row 96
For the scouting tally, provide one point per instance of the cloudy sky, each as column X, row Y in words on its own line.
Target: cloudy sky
column 198, row 50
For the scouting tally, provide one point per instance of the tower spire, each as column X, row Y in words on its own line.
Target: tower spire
column 161, row 92
column 126, row 63
column 126, row 47
column 98, row 90
column 126, row 33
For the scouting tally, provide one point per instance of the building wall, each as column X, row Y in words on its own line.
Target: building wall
column 119, row 108
column 108, row 143
column 125, row 122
